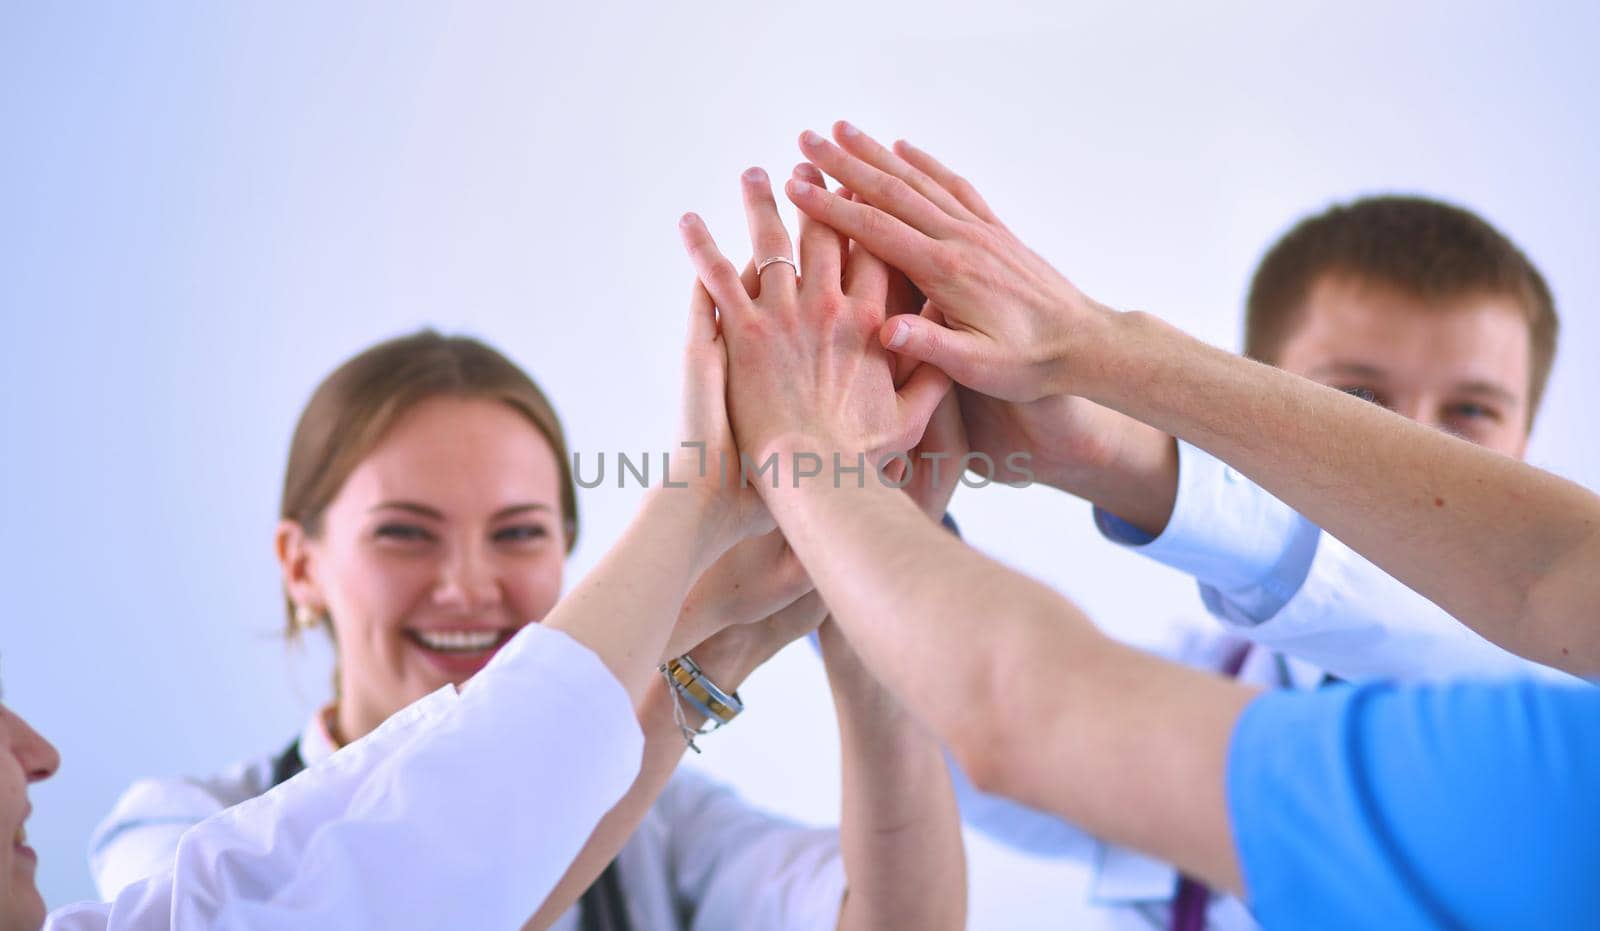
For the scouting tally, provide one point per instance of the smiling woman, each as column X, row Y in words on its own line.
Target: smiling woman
column 426, row 516
column 426, row 512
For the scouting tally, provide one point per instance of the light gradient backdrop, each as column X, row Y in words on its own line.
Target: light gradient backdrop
column 204, row 207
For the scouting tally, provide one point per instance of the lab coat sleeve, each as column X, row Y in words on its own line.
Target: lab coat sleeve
column 462, row 810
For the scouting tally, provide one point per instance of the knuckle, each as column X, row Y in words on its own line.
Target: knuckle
column 875, row 223
column 705, row 253
column 860, row 323
column 832, row 306
column 774, row 241
column 946, row 263
column 724, row 275
column 833, row 209
column 892, row 189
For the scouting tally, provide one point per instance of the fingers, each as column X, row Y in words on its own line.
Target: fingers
column 713, row 268
column 920, row 397
column 821, row 247
column 958, row 186
column 960, row 354
column 877, row 187
column 705, row 371
column 747, row 277
column 883, row 235
column 869, row 150
column 904, row 297
column 768, row 237
column 946, row 432
column 866, row 277
column 702, row 318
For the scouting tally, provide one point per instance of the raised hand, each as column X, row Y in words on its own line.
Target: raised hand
column 1015, row 327
column 806, row 367
column 708, row 454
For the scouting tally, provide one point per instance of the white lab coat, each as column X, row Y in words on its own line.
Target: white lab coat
column 701, row 859
column 394, row 830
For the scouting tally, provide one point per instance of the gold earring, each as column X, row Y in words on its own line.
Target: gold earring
column 307, row 619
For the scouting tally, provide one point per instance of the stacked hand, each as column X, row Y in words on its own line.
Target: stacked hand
column 1013, row 327
column 907, row 280
column 812, row 373
column 998, row 319
column 812, row 377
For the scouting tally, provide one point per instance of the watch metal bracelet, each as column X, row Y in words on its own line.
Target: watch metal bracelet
column 695, row 686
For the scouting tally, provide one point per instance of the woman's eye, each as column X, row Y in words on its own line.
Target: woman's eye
column 522, row 533
column 402, row 533
column 1364, row 393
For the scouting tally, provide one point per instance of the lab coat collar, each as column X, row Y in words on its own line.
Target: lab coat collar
column 316, row 743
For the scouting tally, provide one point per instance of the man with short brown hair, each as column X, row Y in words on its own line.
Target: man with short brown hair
column 1420, row 306
column 1392, row 256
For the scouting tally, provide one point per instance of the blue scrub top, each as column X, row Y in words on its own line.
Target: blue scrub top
column 1442, row 806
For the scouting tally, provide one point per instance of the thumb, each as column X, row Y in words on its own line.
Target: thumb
column 960, row 354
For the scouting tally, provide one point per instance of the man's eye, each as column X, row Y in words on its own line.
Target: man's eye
column 402, row 533
column 1471, row 411
column 1362, row 392
column 521, row 533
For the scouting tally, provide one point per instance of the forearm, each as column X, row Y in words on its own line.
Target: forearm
column 1034, row 701
column 663, row 751
column 1504, row 547
column 624, row 608
column 899, row 827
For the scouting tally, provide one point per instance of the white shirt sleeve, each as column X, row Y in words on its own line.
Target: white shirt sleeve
column 743, row 868
column 461, row 810
column 1274, row 577
column 140, row 836
column 1362, row 624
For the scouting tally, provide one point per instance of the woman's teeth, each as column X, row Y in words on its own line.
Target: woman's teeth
column 22, row 836
column 458, row 641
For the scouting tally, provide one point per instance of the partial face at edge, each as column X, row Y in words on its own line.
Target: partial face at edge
column 1462, row 368
column 25, row 757
column 441, row 544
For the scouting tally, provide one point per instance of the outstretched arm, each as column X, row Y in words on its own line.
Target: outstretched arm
column 1506, row 548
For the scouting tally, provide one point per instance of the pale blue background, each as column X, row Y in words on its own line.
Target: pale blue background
column 204, row 207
